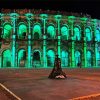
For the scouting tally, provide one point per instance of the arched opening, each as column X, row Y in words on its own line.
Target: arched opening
column 50, row 58
column 64, row 59
column 64, row 33
column 98, row 54
column 36, row 32
column 89, row 59
column 77, row 58
column 21, row 58
column 51, row 32
column 7, row 31
column 77, row 34
column 22, row 31
column 98, row 35
column 36, row 58
column 88, row 34
column 6, row 58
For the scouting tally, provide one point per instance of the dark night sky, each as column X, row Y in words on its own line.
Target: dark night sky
column 91, row 7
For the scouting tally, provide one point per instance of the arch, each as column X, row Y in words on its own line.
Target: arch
column 77, row 58
column 64, row 32
column 50, row 58
column 7, row 30
column 77, row 34
column 36, row 31
column 36, row 62
column 22, row 31
column 88, row 34
column 89, row 58
column 51, row 31
column 98, row 54
column 21, row 57
column 6, row 58
column 64, row 58
column 97, row 34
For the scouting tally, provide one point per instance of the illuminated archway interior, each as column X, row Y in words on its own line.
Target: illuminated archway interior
column 7, row 31
column 36, row 31
column 77, row 58
column 64, row 33
column 21, row 57
column 64, row 59
column 6, row 57
column 22, row 31
column 50, row 58
column 51, row 31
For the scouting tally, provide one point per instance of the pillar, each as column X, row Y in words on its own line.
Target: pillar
column 29, row 51
column 84, row 44
column 85, row 48
column 13, row 51
column 44, row 52
column 95, row 44
column 44, row 18
column 58, row 18
column 29, row 17
column 29, row 46
column 71, row 21
column 13, row 18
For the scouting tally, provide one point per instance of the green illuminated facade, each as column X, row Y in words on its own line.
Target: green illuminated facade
column 32, row 38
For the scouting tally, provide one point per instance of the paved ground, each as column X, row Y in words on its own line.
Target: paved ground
column 33, row 84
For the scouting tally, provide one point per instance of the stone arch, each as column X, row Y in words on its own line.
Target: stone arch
column 36, row 62
column 21, row 57
column 7, row 30
column 6, row 58
column 51, row 33
column 89, row 58
column 77, row 33
column 88, row 33
column 36, row 31
column 78, row 58
column 22, row 30
column 64, row 32
column 97, row 35
column 64, row 58
column 50, row 58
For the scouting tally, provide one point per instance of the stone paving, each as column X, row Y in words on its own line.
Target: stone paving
column 33, row 84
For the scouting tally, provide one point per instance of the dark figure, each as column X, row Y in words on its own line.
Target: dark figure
column 57, row 70
column 79, row 64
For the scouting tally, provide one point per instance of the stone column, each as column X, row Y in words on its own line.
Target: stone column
column 13, row 51
column 44, row 18
column 84, row 44
column 29, row 51
column 58, row 18
column 71, row 21
column 29, row 17
column 95, row 44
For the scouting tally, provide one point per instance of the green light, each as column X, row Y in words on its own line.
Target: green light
column 98, row 35
column 65, row 33
column 64, row 58
column 21, row 57
column 22, row 29
column 77, row 35
column 7, row 58
column 7, row 31
column 51, row 32
column 37, row 31
column 77, row 57
column 89, row 60
column 88, row 34
column 50, row 58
